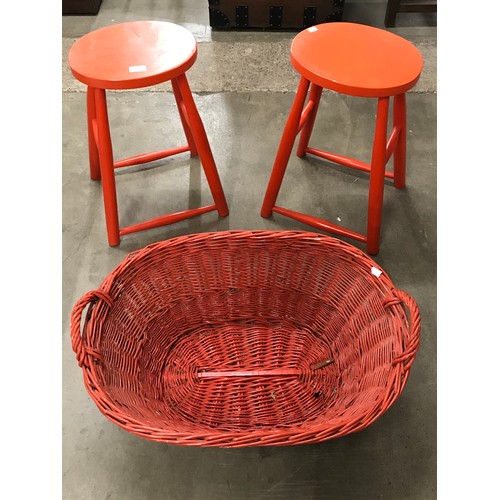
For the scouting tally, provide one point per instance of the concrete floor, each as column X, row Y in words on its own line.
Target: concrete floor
column 395, row 457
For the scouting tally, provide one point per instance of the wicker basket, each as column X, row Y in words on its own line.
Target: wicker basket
column 245, row 338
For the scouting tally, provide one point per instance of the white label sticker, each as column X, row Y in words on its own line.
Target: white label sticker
column 136, row 69
column 376, row 272
column 312, row 29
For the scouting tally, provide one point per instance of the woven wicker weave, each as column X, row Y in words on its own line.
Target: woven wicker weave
column 245, row 338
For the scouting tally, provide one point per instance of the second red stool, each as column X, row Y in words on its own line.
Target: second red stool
column 129, row 56
column 360, row 61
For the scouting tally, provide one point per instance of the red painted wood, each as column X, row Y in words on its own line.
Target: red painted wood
column 321, row 224
column 164, row 220
column 399, row 118
column 340, row 159
column 107, row 169
column 183, row 115
column 95, row 171
column 371, row 63
column 132, row 55
column 391, row 144
column 285, row 149
column 128, row 56
column 305, row 115
column 376, row 194
column 202, row 146
column 367, row 61
column 305, row 136
column 149, row 157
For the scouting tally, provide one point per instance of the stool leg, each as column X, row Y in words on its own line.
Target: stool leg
column 182, row 112
column 399, row 118
column 95, row 170
column 377, row 176
column 202, row 145
column 107, row 168
column 285, row 149
column 305, row 135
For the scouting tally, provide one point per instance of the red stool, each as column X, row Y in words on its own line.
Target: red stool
column 360, row 61
column 130, row 56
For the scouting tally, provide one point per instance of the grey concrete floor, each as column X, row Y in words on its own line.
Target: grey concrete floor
column 395, row 457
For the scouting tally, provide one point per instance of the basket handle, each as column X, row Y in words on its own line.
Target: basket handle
column 412, row 339
column 76, row 316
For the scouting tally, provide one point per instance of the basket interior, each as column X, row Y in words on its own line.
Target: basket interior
column 244, row 337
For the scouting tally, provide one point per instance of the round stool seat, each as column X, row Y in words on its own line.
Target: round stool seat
column 132, row 55
column 357, row 60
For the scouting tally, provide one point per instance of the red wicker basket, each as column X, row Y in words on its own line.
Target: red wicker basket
column 245, row 338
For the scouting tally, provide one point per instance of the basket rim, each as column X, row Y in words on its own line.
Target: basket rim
column 136, row 255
